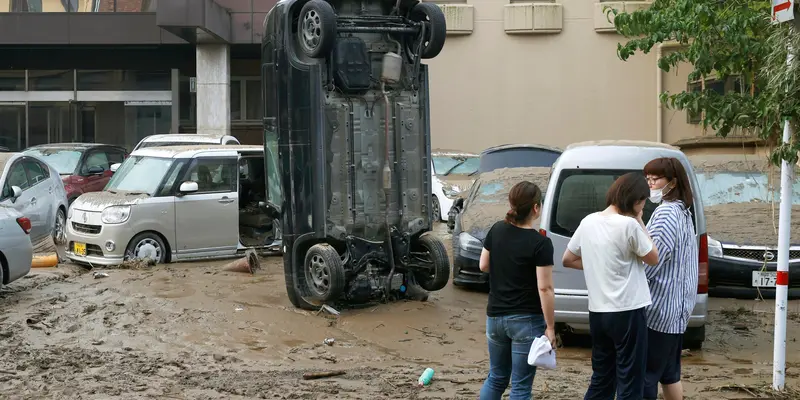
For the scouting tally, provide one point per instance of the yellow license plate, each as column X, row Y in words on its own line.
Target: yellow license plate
column 80, row 248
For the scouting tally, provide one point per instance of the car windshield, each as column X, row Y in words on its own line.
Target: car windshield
column 140, row 174
column 161, row 144
column 740, row 187
column 447, row 165
column 63, row 160
column 493, row 187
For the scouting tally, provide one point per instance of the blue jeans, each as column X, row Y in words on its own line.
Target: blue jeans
column 510, row 338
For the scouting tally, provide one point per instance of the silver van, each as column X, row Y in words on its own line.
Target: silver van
column 175, row 203
column 577, row 187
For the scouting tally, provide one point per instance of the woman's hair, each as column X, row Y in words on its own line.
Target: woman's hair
column 522, row 198
column 672, row 169
column 626, row 191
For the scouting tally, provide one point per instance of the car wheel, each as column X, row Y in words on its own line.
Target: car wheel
column 316, row 28
column 60, row 228
column 324, row 272
column 436, row 210
column 147, row 245
column 435, row 29
column 431, row 253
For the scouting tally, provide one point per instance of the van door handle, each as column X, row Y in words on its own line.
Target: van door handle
column 225, row 200
column 33, row 200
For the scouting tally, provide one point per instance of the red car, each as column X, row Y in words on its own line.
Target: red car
column 84, row 167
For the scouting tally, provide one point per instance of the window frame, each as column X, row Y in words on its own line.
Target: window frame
column 187, row 174
column 45, row 170
column 242, row 82
column 10, row 168
column 85, row 165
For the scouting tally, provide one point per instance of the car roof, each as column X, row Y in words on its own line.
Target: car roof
column 452, row 153
column 615, row 154
column 189, row 151
column 76, row 146
column 521, row 146
column 189, row 137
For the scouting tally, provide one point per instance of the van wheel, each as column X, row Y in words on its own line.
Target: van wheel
column 316, row 28
column 147, row 245
column 435, row 28
column 324, row 272
column 431, row 253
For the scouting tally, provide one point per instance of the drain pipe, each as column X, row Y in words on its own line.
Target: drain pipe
column 660, row 88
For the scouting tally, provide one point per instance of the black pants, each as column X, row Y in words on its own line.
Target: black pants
column 619, row 355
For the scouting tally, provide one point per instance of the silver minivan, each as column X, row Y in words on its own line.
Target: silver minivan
column 577, row 187
column 175, row 203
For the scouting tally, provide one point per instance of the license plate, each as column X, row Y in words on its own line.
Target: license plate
column 764, row 279
column 80, row 248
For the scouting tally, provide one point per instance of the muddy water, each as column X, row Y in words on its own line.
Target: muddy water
column 192, row 331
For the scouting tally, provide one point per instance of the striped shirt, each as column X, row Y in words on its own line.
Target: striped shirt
column 673, row 281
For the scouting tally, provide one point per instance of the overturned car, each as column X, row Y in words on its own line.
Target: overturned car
column 347, row 122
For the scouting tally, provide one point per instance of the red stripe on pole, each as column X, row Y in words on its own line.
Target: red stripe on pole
column 782, row 279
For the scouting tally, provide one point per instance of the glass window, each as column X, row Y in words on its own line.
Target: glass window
column 139, row 174
column 35, row 171
column 95, row 159
column 63, row 160
column 236, row 100
column 51, row 80
column 255, row 111
column 274, row 194
column 467, row 167
column 516, row 157
column 12, row 127
column 582, row 192
column 214, row 175
column 142, row 121
column 17, row 176
column 443, row 164
column 115, row 156
column 123, row 80
column 12, row 79
column 169, row 184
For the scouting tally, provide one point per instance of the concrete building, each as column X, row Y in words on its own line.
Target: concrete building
column 114, row 71
column 547, row 72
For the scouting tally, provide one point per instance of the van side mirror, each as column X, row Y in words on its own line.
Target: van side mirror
column 16, row 192
column 188, row 187
column 114, row 167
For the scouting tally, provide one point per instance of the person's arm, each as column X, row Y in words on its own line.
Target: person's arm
column 572, row 255
column 663, row 231
column 544, row 279
column 483, row 263
column 641, row 243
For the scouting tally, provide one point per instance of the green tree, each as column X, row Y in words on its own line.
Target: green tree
column 723, row 38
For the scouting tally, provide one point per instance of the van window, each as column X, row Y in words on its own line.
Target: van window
column 581, row 192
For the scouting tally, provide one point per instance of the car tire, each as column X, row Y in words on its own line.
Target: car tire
column 436, row 210
column 324, row 272
column 436, row 30
column 316, row 28
column 694, row 337
column 147, row 244
column 60, row 227
column 437, row 256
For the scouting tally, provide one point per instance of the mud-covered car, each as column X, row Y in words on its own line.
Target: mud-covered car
column 347, row 110
column 741, row 196
column 452, row 174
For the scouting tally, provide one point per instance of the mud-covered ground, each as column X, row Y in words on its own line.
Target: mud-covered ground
column 192, row 331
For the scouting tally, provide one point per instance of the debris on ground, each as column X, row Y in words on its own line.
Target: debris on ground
column 98, row 275
column 326, row 374
column 329, row 341
column 330, row 310
column 249, row 263
column 137, row 263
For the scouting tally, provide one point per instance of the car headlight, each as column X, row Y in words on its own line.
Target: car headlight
column 714, row 248
column 69, row 211
column 115, row 214
column 469, row 243
column 451, row 191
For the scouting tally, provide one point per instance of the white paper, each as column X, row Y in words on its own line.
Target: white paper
column 542, row 355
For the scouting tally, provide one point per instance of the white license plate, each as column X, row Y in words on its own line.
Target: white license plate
column 764, row 278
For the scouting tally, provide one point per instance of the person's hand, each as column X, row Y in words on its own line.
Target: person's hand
column 551, row 336
column 640, row 215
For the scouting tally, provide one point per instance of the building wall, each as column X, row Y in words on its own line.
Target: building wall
column 490, row 87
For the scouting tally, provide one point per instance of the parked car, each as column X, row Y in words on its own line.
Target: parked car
column 83, row 167
column 452, row 174
column 577, row 187
column 35, row 190
column 741, row 195
column 184, row 139
column 175, row 203
column 16, row 252
column 507, row 156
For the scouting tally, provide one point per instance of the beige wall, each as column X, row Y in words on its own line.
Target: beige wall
column 489, row 87
column 674, row 122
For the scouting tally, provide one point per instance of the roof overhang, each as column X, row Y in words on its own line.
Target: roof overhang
column 195, row 21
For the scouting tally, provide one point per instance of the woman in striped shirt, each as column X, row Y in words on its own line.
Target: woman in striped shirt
column 673, row 281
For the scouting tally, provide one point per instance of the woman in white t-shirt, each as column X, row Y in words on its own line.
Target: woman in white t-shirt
column 612, row 247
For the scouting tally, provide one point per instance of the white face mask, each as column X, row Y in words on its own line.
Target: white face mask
column 656, row 195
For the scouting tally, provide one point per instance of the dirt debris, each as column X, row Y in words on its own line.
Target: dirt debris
column 748, row 223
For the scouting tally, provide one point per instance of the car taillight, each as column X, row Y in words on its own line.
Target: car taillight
column 25, row 224
column 702, row 270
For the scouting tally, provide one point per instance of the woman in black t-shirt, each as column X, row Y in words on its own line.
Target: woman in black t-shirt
column 519, row 261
